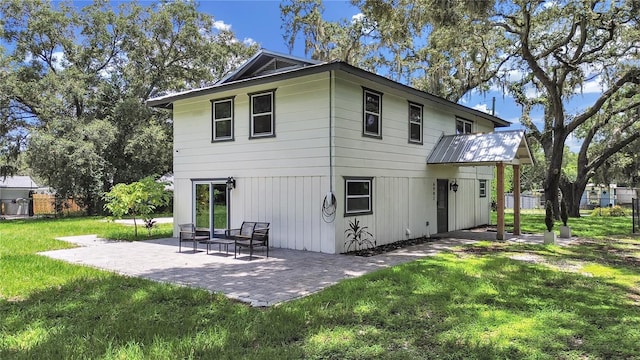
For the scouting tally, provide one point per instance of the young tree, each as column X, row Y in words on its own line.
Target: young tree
column 138, row 199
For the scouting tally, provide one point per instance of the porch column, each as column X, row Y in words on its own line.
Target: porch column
column 516, row 199
column 500, row 198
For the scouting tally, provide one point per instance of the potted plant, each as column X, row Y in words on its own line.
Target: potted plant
column 565, row 231
column 549, row 235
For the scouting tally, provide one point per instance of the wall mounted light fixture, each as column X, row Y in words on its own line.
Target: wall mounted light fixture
column 453, row 186
column 231, row 183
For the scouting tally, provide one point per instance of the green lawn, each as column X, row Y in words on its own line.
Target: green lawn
column 586, row 226
column 486, row 301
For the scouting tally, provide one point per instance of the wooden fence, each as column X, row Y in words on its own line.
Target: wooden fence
column 45, row 204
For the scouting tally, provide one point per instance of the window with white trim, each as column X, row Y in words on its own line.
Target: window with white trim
column 358, row 195
column 482, row 190
column 415, row 123
column 372, row 104
column 262, row 114
column 463, row 126
column 222, row 119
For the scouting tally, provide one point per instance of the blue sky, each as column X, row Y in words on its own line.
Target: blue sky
column 259, row 21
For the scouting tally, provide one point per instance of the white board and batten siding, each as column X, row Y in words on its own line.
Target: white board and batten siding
column 281, row 179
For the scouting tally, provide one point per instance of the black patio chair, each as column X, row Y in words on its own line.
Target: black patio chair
column 188, row 234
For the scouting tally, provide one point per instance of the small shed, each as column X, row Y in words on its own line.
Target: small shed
column 14, row 194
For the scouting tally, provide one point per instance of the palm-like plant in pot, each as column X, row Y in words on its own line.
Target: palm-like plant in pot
column 549, row 235
column 565, row 230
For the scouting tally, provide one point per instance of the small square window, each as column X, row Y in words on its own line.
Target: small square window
column 463, row 126
column 415, row 123
column 262, row 115
column 358, row 196
column 483, row 188
column 372, row 113
column 222, row 117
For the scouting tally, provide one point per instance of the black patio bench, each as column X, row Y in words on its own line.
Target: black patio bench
column 251, row 234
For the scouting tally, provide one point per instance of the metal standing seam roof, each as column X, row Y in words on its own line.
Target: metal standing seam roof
column 17, row 182
column 475, row 149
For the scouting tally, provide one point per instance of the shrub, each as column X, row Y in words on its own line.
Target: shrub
column 617, row 211
column 548, row 219
column 609, row 211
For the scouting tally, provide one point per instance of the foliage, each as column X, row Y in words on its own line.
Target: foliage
column 614, row 211
column 149, row 224
column 138, row 199
column 537, row 52
column 74, row 83
column 476, row 302
column 358, row 237
column 548, row 218
column 404, row 40
column 564, row 216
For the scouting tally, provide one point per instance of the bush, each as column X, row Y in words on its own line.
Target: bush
column 609, row 211
column 617, row 211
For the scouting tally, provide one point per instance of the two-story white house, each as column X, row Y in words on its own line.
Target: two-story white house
column 311, row 147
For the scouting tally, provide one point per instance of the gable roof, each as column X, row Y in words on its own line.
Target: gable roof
column 266, row 62
column 256, row 71
column 476, row 149
column 18, row 182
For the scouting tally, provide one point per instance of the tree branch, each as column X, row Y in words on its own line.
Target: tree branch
column 631, row 76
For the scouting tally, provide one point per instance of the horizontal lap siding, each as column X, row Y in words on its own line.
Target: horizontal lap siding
column 281, row 180
column 300, row 147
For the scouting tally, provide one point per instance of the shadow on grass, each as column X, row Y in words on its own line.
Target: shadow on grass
column 478, row 307
column 91, row 318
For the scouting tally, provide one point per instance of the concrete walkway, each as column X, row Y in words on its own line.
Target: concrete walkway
column 285, row 275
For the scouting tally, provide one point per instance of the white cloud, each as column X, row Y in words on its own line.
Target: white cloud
column 357, row 17
column 595, row 86
column 515, row 121
column 57, row 57
column 483, row 107
column 573, row 143
column 249, row 41
column 221, row 25
column 531, row 92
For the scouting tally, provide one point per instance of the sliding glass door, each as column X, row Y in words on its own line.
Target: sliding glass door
column 210, row 205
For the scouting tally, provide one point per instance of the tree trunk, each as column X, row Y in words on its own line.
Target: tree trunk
column 572, row 193
column 552, row 180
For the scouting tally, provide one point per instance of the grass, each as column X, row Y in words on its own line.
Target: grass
column 595, row 227
column 486, row 301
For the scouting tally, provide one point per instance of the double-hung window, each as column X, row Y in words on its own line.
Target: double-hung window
column 222, row 115
column 415, row 123
column 358, row 195
column 263, row 115
column 463, row 126
column 483, row 188
column 372, row 121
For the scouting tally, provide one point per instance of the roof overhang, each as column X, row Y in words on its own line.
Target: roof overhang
column 313, row 67
column 507, row 147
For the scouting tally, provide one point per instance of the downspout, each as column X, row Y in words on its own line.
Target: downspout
column 331, row 131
